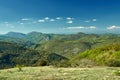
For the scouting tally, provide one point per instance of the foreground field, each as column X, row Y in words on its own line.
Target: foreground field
column 51, row 73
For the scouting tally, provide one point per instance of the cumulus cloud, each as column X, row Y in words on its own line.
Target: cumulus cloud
column 46, row 18
column 94, row 20
column 69, row 18
column 87, row 21
column 52, row 19
column 113, row 27
column 25, row 19
column 58, row 18
column 81, row 27
column 69, row 22
column 92, row 27
column 41, row 21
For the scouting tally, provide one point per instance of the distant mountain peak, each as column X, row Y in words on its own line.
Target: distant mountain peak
column 15, row 34
column 35, row 32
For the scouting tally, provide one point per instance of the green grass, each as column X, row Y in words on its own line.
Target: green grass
column 52, row 73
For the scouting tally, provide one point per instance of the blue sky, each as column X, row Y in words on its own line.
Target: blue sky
column 60, row 16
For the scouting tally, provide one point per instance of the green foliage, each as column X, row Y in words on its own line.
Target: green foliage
column 19, row 67
column 56, row 60
column 12, row 54
column 65, row 48
column 107, row 55
column 42, row 63
column 83, row 63
column 37, row 37
column 36, row 48
column 113, row 62
column 116, row 72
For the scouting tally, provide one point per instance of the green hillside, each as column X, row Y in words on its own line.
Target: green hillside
column 63, row 47
column 72, row 44
column 13, row 54
column 37, row 37
column 37, row 48
column 107, row 55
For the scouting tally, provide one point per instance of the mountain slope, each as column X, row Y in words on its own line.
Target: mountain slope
column 108, row 55
column 36, row 48
column 65, row 48
column 70, row 45
column 12, row 54
column 34, row 37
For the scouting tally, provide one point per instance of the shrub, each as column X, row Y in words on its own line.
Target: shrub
column 113, row 62
column 116, row 72
column 42, row 63
column 19, row 67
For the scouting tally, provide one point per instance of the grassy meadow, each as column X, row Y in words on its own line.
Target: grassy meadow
column 53, row 73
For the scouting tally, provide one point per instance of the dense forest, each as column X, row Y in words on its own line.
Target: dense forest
column 70, row 50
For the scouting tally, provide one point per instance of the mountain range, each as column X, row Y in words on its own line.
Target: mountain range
column 36, row 48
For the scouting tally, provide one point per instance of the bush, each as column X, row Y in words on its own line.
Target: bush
column 84, row 63
column 42, row 63
column 19, row 67
column 113, row 62
column 116, row 72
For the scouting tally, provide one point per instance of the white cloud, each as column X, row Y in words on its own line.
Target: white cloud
column 69, row 18
column 46, row 18
column 113, row 27
column 41, row 21
column 94, row 20
column 81, row 27
column 25, row 19
column 92, row 27
column 52, row 19
column 69, row 22
column 58, row 18
column 87, row 21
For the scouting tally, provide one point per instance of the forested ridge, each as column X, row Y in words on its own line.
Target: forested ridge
column 65, row 50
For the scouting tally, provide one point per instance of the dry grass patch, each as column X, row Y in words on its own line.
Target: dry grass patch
column 51, row 73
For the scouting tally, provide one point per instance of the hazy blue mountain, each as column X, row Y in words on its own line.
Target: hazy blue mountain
column 16, row 34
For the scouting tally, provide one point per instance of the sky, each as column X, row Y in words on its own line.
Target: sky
column 60, row 16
